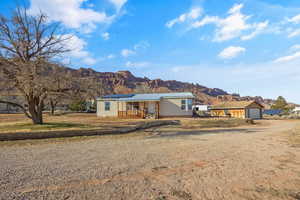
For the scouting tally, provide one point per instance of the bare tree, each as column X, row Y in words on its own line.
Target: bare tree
column 60, row 88
column 27, row 45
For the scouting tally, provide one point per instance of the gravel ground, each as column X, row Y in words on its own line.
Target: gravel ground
column 238, row 163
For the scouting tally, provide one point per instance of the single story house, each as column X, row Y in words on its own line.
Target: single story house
column 238, row 109
column 153, row 105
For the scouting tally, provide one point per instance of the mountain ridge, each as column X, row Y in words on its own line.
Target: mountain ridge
column 124, row 82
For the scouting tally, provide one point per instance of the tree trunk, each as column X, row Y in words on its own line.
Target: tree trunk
column 36, row 111
column 37, row 119
column 52, row 110
column 52, row 107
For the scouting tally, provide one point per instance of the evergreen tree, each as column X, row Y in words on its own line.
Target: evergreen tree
column 280, row 104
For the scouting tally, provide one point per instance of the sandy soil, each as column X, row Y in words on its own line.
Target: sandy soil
column 254, row 162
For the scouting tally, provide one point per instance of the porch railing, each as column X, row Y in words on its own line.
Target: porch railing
column 132, row 114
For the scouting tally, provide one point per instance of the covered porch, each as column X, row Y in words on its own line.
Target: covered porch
column 138, row 109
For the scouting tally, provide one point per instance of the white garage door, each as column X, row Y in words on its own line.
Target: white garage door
column 254, row 113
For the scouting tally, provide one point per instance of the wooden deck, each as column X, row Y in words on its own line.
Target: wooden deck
column 132, row 114
column 140, row 113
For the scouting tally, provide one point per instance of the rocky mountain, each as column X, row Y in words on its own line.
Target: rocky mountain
column 124, row 82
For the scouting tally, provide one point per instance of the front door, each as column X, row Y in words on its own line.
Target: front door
column 151, row 108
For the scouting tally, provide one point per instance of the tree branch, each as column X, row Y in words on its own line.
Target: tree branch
column 17, row 105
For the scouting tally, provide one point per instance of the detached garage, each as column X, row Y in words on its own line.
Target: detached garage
column 238, row 109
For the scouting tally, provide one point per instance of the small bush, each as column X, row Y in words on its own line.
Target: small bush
column 78, row 106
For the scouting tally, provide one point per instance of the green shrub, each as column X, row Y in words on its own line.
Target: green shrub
column 78, row 106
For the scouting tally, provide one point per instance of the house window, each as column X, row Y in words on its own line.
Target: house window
column 183, row 104
column 107, row 106
column 190, row 104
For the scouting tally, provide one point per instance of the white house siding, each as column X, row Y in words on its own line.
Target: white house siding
column 113, row 112
column 172, row 108
column 296, row 110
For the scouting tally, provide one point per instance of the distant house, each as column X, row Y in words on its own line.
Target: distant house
column 238, row 109
column 153, row 105
column 296, row 110
column 272, row 112
column 201, row 107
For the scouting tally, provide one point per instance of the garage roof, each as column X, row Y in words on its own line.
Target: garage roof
column 234, row 105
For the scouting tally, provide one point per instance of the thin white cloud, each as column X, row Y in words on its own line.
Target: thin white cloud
column 236, row 8
column 206, row 20
column 288, row 58
column 259, row 28
column 136, row 48
column 127, row 52
column 233, row 26
column 111, row 56
column 90, row 5
column 231, row 52
column 294, row 33
column 178, row 69
column 141, row 45
column 295, row 47
column 295, row 19
column 105, row 36
column 118, row 4
column 193, row 14
column 137, row 64
column 107, row 57
column 89, row 61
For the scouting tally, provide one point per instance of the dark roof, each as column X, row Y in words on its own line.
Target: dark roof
column 233, row 105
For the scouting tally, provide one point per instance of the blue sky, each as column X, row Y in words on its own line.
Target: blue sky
column 251, row 47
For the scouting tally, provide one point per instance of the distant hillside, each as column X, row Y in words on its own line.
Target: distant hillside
column 125, row 82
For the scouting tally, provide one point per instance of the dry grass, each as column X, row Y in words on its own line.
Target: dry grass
column 66, row 140
column 29, row 127
column 13, row 123
column 72, row 121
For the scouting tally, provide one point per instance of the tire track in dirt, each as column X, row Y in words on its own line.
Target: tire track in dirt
column 155, row 173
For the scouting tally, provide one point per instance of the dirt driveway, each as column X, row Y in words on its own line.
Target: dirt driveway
column 238, row 163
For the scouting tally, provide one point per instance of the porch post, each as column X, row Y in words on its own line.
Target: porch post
column 158, row 110
column 118, row 109
column 144, row 110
